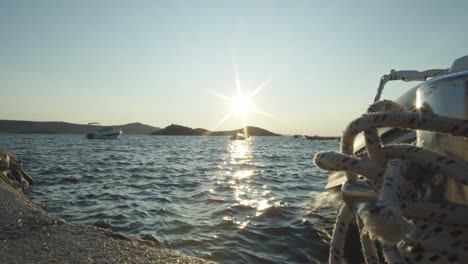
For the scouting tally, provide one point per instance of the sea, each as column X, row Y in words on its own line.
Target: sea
column 259, row 200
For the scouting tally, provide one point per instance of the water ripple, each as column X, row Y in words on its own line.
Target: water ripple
column 247, row 201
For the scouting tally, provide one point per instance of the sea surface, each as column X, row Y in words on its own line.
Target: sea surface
column 252, row 201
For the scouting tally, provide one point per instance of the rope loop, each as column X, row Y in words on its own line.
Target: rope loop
column 394, row 218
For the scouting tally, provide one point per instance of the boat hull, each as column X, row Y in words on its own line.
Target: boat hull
column 113, row 135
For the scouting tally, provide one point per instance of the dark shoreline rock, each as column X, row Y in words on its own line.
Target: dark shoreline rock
column 34, row 127
column 321, row 138
column 178, row 130
column 28, row 234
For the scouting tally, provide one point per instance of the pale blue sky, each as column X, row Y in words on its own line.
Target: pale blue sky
column 156, row 62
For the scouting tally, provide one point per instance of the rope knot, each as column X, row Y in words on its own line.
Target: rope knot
column 383, row 221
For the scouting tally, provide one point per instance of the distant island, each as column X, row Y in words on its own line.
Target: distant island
column 321, row 138
column 32, row 127
column 178, row 130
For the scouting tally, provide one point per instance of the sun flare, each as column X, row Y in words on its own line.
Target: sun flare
column 241, row 105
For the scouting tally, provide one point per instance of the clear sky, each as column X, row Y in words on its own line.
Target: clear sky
column 161, row 62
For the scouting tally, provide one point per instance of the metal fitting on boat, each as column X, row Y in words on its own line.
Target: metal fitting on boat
column 358, row 191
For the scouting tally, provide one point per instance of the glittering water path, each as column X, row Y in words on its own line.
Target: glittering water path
column 229, row 201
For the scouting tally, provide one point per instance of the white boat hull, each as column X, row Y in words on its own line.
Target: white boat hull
column 110, row 135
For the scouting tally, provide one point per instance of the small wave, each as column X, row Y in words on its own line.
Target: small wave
column 132, row 229
column 213, row 200
column 86, row 203
column 243, row 207
column 119, row 217
column 139, row 214
column 88, row 196
column 177, row 227
column 54, row 170
column 275, row 212
column 151, row 238
column 327, row 200
column 68, row 180
column 162, row 212
column 157, row 199
column 103, row 224
column 143, row 186
column 200, row 195
column 114, row 197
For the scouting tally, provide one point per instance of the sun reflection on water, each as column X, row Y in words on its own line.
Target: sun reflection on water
column 248, row 195
column 240, row 151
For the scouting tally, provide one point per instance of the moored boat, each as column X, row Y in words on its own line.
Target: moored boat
column 238, row 136
column 402, row 172
column 104, row 133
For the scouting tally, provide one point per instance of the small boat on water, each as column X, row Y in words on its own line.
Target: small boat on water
column 238, row 136
column 104, row 133
column 401, row 174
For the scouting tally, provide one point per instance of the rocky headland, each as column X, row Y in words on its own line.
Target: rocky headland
column 322, row 138
column 28, row 234
column 178, row 130
column 32, row 127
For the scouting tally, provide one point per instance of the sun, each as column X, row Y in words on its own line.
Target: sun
column 241, row 105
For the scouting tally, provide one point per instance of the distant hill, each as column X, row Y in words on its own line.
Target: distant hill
column 137, row 129
column 178, row 130
column 32, row 127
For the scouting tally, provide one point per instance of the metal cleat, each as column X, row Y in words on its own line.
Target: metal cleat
column 360, row 191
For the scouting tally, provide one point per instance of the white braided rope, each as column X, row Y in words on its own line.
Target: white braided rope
column 449, row 214
column 339, row 234
column 427, row 158
column 391, row 254
column 435, row 251
column 368, row 246
column 390, row 198
column 373, row 142
column 333, row 161
column 435, row 239
column 422, row 121
column 383, row 219
column 431, row 160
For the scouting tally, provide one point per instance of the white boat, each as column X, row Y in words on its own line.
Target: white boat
column 104, row 133
column 238, row 136
column 401, row 174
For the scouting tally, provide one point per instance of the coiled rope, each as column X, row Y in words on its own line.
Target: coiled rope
column 409, row 228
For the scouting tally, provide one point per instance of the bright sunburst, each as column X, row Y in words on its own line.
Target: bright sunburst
column 242, row 105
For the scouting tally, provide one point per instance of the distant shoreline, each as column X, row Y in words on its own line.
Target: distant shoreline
column 58, row 127
column 178, row 130
column 318, row 137
column 322, row 138
column 64, row 128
